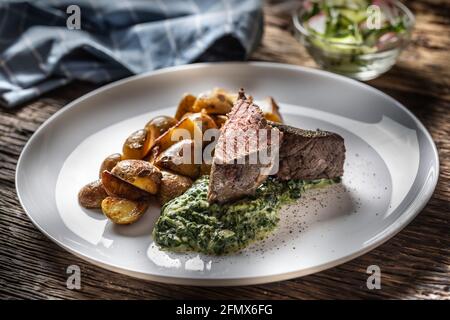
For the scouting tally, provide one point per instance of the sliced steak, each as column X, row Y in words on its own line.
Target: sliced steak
column 237, row 168
column 307, row 155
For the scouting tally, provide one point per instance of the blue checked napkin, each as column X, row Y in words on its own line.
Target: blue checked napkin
column 119, row 38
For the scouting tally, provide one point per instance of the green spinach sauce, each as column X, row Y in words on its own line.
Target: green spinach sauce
column 190, row 223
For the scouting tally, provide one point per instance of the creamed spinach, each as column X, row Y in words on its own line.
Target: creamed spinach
column 190, row 223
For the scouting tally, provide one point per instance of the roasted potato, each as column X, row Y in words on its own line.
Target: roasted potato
column 123, row 211
column 157, row 126
column 109, row 163
column 274, row 113
column 175, row 159
column 92, row 194
column 185, row 105
column 115, row 186
column 139, row 173
column 136, row 145
column 172, row 185
column 202, row 120
column 172, row 136
column 231, row 97
column 214, row 102
column 219, row 119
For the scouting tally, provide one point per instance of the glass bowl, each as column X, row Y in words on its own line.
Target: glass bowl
column 356, row 60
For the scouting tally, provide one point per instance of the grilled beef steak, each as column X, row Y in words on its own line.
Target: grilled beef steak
column 308, row 155
column 237, row 168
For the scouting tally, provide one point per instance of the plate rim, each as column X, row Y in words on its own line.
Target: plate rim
column 393, row 229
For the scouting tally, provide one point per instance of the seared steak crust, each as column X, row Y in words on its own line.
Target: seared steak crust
column 233, row 175
column 308, row 155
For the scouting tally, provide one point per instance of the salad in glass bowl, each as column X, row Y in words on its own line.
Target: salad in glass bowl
column 358, row 38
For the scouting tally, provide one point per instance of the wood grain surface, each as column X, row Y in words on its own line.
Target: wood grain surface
column 415, row 264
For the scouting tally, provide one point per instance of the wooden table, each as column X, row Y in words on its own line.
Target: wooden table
column 415, row 264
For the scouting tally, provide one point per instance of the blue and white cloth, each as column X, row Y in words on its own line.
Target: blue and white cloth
column 38, row 52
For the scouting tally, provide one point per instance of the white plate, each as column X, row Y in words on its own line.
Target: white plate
column 391, row 170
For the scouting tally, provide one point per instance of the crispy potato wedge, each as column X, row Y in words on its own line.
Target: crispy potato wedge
column 92, row 195
column 202, row 120
column 172, row 185
column 139, row 173
column 117, row 187
column 158, row 126
column 123, row 211
column 136, row 145
column 185, row 105
column 214, row 102
column 219, row 119
column 189, row 130
column 272, row 117
column 274, row 113
column 232, row 97
column 109, row 163
column 179, row 158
